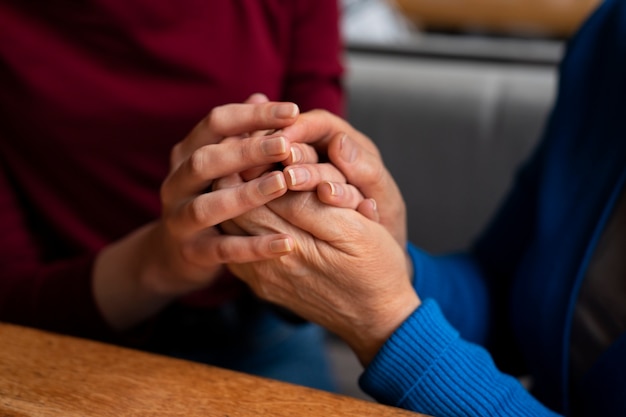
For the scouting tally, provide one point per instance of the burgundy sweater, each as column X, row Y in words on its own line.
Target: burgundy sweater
column 93, row 95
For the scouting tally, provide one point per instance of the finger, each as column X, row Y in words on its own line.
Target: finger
column 369, row 209
column 210, row 209
column 256, row 172
column 366, row 171
column 305, row 211
column 238, row 249
column 228, row 181
column 308, row 177
column 258, row 221
column 236, row 119
column 257, row 98
column 233, row 120
column 301, row 153
column 214, row 161
column 340, row 195
column 253, row 172
column 318, row 127
column 361, row 167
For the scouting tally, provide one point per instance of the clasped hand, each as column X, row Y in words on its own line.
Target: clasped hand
column 344, row 264
column 325, row 239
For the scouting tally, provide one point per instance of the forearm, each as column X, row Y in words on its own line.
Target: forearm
column 128, row 280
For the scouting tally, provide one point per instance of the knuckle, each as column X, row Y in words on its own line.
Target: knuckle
column 320, row 112
column 245, row 197
column 212, row 116
column 197, row 211
column 197, row 162
column 223, row 252
column 176, row 155
column 244, row 150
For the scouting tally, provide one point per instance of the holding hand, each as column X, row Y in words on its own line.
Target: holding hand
column 344, row 270
column 184, row 251
column 358, row 159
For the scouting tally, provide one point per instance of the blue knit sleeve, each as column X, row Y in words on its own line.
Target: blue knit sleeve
column 457, row 283
column 427, row 367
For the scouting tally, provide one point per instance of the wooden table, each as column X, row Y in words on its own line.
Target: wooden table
column 45, row 374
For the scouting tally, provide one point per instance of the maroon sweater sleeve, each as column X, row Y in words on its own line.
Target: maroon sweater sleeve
column 56, row 296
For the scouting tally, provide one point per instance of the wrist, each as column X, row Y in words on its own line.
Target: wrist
column 124, row 284
column 368, row 342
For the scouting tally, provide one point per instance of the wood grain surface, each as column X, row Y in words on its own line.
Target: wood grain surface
column 44, row 375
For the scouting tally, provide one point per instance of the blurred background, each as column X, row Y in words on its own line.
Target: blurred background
column 405, row 21
column 455, row 93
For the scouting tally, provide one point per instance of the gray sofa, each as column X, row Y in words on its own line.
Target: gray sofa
column 452, row 126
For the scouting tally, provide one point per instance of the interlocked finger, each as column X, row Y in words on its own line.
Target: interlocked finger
column 308, row 177
column 340, row 195
column 212, row 208
column 238, row 249
column 234, row 120
column 196, row 174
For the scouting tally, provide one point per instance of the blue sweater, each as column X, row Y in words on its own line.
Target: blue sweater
column 505, row 308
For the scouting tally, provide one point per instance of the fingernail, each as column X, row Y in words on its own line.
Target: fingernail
column 347, row 150
column 274, row 146
column 296, row 154
column 272, row 184
column 374, row 205
column 285, row 110
column 297, row 176
column 281, row 246
column 335, row 189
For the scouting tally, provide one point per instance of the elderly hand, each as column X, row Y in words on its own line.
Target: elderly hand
column 343, row 271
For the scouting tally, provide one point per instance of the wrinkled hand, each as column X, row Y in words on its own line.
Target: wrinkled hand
column 343, row 271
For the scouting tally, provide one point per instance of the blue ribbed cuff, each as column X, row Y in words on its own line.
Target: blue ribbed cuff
column 402, row 361
column 426, row 367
